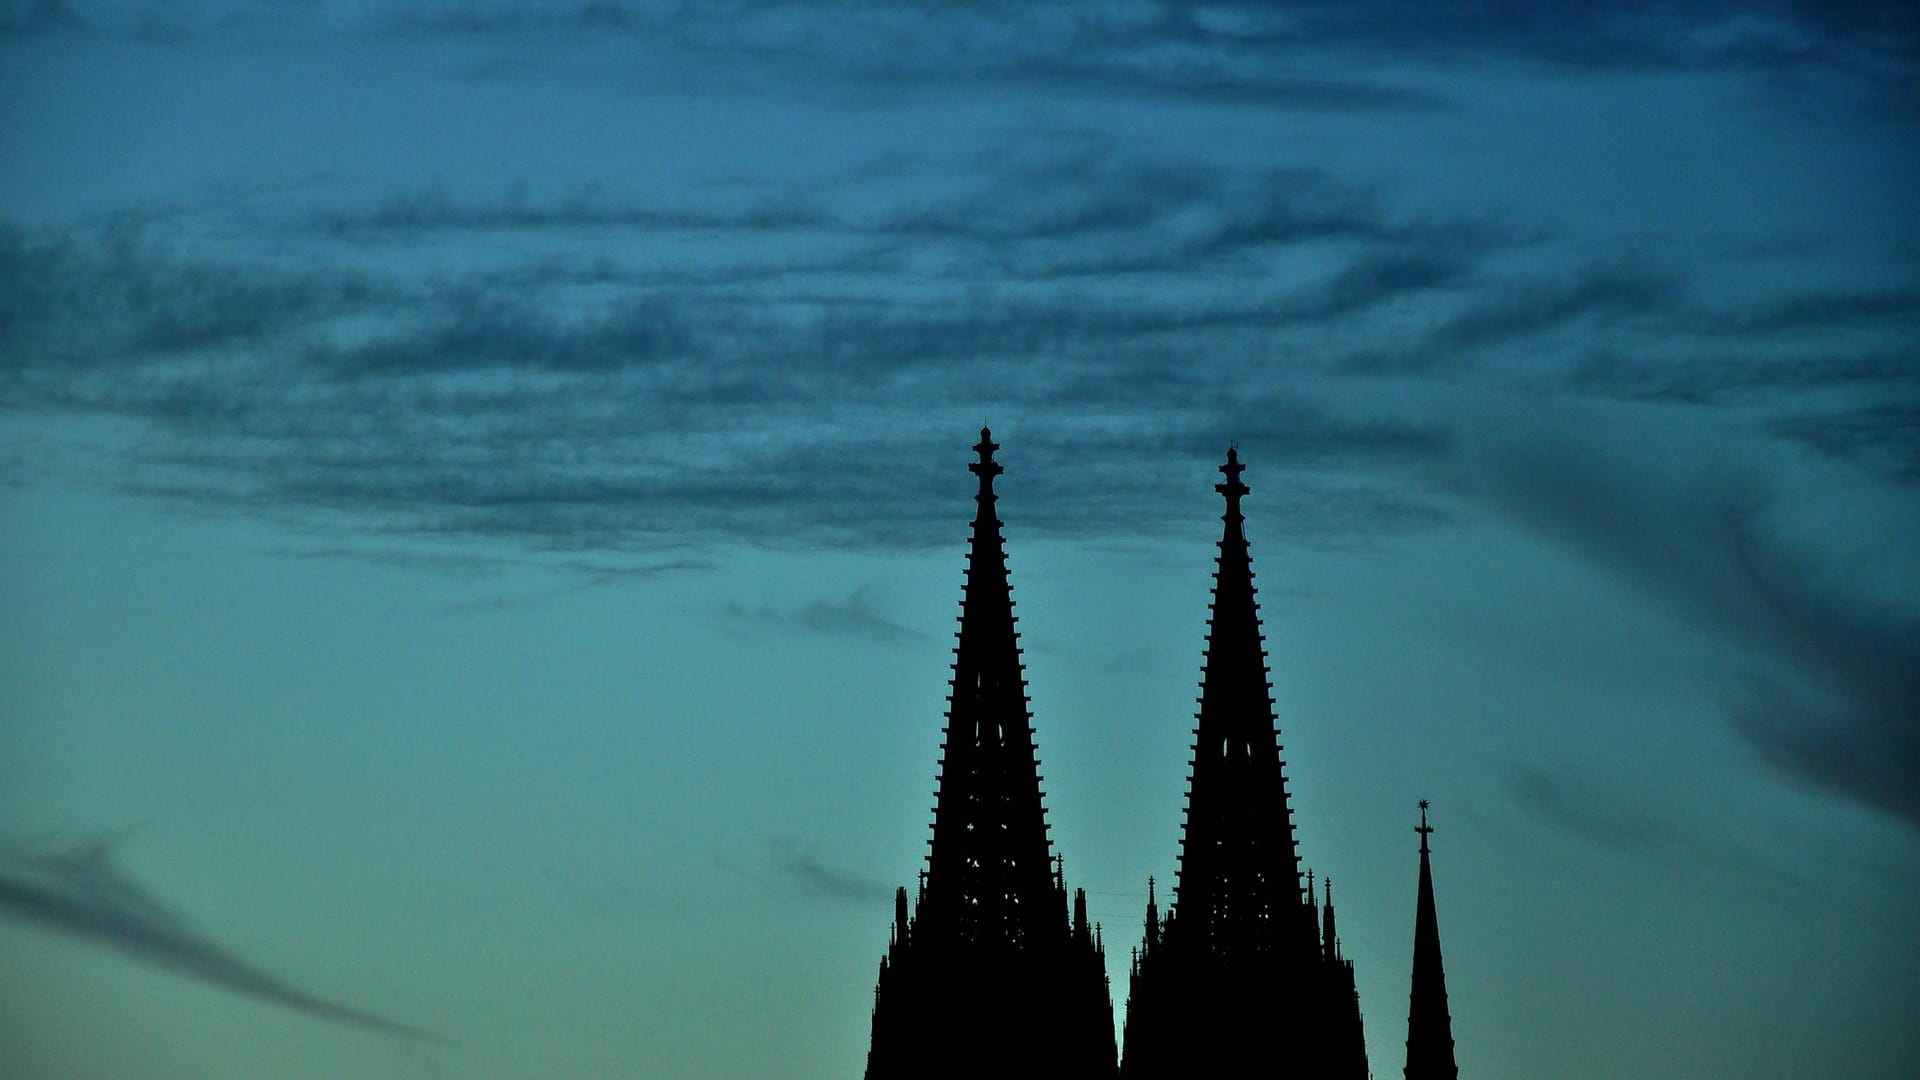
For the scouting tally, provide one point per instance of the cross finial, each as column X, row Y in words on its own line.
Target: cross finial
column 1233, row 488
column 1424, row 829
column 986, row 468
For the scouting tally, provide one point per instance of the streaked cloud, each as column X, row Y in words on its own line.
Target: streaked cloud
column 81, row 892
column 1832, row 698
column 857, row 617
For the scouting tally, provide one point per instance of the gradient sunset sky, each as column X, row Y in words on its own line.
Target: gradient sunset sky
column 483, row 500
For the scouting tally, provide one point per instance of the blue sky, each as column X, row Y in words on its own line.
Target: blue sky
column 483, row 496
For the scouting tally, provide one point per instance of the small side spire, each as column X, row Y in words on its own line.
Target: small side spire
column 1429, row 1024
column 1153, row 918
column 1329, row 937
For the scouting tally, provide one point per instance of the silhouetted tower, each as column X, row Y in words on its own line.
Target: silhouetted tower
column 990, row 976
column 1237, row 973
column 1429, row 1025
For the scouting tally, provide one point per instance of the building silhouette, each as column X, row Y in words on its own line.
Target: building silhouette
column 988, row 975
column 1429, row 1025
column 1242, row 967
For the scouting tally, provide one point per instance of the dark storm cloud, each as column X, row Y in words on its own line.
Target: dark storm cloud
column 1834, row 697
column 83, row 894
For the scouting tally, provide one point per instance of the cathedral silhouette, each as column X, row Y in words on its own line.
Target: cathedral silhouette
column 989, row 972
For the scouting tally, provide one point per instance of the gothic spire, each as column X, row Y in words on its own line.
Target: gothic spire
column 1233, row 971
column 990, row 878
column 1238, row 887
column 991, row 975
column 1429, row 1025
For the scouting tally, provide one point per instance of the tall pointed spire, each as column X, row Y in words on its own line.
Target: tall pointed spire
column 990, row 976
column 1429, row 1024
column 1238, row 886
column 990, row 880
column 1238, row 954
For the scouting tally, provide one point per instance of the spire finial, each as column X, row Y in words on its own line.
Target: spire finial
column 1327, row 883
column 986, row 468
column 1233, row 488
column 1424, row 829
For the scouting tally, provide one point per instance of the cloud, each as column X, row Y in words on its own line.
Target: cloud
column 577, row 403
column 1826, row 310
column 788, row 868
column 794, row 864
column 81, row 892
column 1600, row 292
column 1881, row 437
column 435, row 209
column 94, row 296
column 1743, row 379
column 1102, row 50
column 1834, row 697
column 39, row 17
column 1306, row 56
column 1577, row 803
column 855, row 617
column 1116, row 313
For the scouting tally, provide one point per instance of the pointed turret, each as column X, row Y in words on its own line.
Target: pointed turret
column 1238, row 954
column 1329, row 939
column 1429, row 1024
column 990, row 977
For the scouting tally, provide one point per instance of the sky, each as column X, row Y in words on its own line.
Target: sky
column 483, row 502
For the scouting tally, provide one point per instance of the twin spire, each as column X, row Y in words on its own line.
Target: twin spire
column 993, row 972
column 1241, row 967
column 991, row 975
